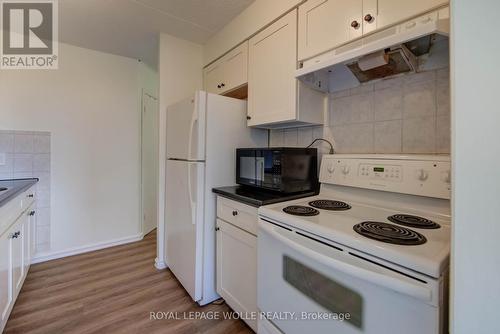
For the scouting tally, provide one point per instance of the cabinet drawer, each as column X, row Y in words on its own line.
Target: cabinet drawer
column 238, row 214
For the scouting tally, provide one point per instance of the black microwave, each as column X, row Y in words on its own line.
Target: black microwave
column 283, row 169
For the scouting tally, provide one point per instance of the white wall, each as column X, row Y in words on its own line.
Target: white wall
column 89, row 106
column 252, row 19
column 180, row 68
column 476, row 165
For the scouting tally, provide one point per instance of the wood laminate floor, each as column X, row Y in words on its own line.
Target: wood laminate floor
column 111, row 291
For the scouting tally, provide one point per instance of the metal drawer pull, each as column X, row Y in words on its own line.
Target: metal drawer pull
column 31, row 195
column 235, row 213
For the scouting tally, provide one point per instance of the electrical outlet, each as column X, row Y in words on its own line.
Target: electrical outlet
column 2, row 159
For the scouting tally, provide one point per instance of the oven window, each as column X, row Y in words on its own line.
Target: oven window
column 331, row 295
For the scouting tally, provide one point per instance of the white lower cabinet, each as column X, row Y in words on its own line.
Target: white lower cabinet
column 16, row 250
column 237, row 268
column 5, row 279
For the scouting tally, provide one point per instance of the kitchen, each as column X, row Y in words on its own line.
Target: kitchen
column 338, row 120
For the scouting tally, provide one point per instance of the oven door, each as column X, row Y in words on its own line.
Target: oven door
column 256, row 168
column 308, row 286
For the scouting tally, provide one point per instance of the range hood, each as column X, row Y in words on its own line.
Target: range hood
column 416, row 45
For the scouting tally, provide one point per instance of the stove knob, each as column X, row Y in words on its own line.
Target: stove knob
column 422, row 175
column 346, row 170
column 446, row 177
column 331, row 168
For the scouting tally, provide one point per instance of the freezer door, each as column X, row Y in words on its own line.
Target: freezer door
column 184, row 223
column 186, row 128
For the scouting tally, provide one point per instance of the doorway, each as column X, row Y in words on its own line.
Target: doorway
column 149, row 162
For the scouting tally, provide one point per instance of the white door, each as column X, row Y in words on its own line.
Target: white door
column 186, row 128
column 306, row 277
column 184, row 223
column 272, row 61
column 27, row 242
column 237, row 269
column 16, row 251
column 395, row 11
column 149, row 165
column 326, row 24
column 5, row 279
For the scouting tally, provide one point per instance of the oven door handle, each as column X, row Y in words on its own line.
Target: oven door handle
column 401, row 285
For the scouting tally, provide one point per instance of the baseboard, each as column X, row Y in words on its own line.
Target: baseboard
column 160, row 265
column 48, row 256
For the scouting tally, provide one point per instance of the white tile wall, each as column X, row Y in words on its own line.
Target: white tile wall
column 28, row 155
column 406, row 114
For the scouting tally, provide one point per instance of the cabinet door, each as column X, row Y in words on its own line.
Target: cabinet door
column 272, row 61
column 27, row 238
column 237, row 268
column 394, row 11
column 16, row 251
column 5, row 277
column 326, row 24
column 229, row 72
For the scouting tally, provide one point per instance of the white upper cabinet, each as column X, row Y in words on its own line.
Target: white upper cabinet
column 229, row 72
column 275, row 97
column 272, row 61
column 327, row 24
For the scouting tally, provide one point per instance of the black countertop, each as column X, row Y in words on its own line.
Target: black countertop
column 14, row 188
column 257, row 198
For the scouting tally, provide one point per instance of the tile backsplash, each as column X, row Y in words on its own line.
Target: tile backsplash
column 27, row 154
column 406, row 114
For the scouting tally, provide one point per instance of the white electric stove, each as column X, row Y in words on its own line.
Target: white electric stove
column 369, row 254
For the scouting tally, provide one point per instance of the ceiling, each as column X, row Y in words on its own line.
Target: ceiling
column 130, row 27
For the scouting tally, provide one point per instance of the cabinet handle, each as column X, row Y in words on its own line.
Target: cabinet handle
column 217, row 229
column 219, row 86
column 15, row 235
column 235, row 213
column 355, row 24
column 31, row 195
column 223, row 85
column 368, row 18
column 32, row 213
column 249, row 117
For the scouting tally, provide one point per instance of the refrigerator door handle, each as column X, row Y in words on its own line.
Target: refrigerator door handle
column 192, row 203
column 194, row 120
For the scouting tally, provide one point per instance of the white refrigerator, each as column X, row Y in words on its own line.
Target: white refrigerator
column 203, row 133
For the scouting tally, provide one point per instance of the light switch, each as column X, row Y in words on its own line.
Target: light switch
column 2, row 159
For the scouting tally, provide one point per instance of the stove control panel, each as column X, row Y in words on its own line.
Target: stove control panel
column 424, row 175
column 381, row 172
